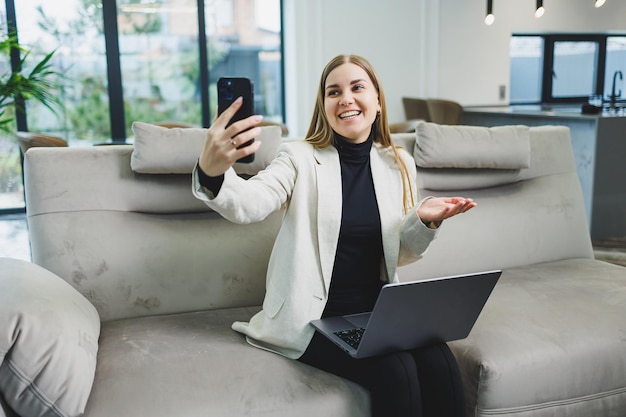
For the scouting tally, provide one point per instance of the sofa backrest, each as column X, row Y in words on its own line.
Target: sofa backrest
column 140, row 244
column 524, row 216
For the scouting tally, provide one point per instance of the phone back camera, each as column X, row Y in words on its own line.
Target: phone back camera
column 226, row 90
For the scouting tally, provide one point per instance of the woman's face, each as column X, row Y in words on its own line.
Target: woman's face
column 350, row 102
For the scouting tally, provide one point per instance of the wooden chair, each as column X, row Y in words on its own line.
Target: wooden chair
column 29, row 140
column 415, row 109
column 408, row 126
column 445, row 112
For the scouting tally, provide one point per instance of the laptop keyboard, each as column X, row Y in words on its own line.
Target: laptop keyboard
column 351, row 336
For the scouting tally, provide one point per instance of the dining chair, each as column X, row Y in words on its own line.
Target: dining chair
column 444, row 112
column 408, row 126
column 28, row 140
column 415, row 109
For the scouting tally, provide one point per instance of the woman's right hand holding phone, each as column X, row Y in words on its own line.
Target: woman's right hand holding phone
column 220, row 147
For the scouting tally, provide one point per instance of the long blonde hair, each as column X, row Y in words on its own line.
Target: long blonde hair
column 320, row 133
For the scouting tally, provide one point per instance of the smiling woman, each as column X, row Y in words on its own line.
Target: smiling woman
column 351, row 218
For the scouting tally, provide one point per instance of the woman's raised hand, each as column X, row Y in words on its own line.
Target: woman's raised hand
column 220, row 147
column 437, row 209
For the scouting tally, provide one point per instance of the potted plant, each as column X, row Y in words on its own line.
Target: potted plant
column 16, row 87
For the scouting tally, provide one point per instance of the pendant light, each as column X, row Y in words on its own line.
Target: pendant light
column 489, row 18
column 539, row 11
column 599, row 3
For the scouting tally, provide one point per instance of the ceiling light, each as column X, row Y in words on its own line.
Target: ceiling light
column 489, row 18
column 599, row 3
column 539, row 11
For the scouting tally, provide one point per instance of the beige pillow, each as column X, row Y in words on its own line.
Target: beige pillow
column 48, row 342
column 161, row 150
column 453, row 146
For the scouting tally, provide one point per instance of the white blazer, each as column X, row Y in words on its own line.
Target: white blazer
column 307, row 181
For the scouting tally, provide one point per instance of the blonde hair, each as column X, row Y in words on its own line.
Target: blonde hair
column 320, row 133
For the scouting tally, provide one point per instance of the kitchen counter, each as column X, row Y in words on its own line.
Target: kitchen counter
column 546, row 112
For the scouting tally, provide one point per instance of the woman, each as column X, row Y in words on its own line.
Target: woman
column 351, row 217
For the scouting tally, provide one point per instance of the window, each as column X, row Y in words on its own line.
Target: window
column 74, row 29
column 573, row 67
column 148, row 60
column 160, row 63
column 526, row 69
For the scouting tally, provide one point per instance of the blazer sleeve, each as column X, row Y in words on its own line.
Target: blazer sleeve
column 252, row 200
column 415, row 236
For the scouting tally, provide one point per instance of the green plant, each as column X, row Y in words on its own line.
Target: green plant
column 17, row 87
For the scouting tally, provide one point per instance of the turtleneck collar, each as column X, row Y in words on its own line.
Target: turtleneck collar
column 353, row 152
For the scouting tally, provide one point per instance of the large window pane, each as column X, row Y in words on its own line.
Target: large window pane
column 244, row 40
column 526, row 54
column 160, row 75
column 160, row 60
column 74, row 29
column 615, row 61
column 574, row 69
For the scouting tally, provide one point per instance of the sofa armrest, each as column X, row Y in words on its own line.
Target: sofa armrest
column 48, row 342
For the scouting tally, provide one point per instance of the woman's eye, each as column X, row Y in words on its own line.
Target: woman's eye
column 357, row 87
column 333, row 93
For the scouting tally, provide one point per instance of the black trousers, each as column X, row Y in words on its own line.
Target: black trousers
column 421, row 383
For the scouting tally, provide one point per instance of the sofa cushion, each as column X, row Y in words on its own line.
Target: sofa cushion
column 161, row 150
column 48, row 344
column 443, row 146
column 549, row 342
column 194, row 364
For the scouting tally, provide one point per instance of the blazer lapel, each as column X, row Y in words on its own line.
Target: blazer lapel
column 329, row 206
column 388, row 187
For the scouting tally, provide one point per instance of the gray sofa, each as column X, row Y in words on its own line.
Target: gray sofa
column 156, row 279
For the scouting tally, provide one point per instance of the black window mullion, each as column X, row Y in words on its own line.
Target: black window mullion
column 548, row 73
column 601, row 66
column 204, row 66
column 114, row 71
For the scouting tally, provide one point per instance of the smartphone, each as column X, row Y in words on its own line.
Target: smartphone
column 228, row 90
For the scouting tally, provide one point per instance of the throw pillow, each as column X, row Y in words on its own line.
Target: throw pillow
column 160, row 150
column 453, row 146
column 48, row 342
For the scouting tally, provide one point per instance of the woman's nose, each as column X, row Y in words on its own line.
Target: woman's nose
column 346, row 98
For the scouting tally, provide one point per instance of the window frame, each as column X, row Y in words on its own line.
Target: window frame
column 548, row 65
column 549, row 40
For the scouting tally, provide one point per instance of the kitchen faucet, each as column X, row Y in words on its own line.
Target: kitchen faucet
column 614, row 96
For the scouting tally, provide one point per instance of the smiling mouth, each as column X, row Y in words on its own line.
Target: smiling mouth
column 349, row 114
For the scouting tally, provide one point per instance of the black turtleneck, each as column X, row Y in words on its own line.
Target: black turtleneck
column 356, row 281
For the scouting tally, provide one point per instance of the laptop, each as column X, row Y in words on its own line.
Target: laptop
column 409, row 315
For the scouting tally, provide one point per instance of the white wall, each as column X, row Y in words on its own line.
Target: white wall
column 474, row 58
column 387, row 34
column 427, row 48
